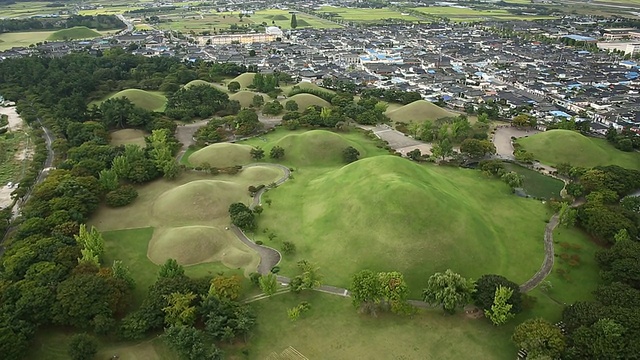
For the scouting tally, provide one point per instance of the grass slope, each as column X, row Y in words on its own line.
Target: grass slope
column 128, row 136
column 245, row 79
column 418, row 111
column 306, row 100
column 22, row 39
column 202, row 82
column 222, row 155
column 315, row 148
column 411, row 218
column 565, row 146
column 76, row 32
column 150, row 100
column 305, row 85
column 333, row 329
column 245, row 98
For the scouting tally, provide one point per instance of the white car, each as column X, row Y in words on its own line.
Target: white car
column 10, row 185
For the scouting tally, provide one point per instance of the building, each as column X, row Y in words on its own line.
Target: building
column 271, row 34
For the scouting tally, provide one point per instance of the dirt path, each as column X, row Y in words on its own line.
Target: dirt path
column 547, row 263
column 502, row 140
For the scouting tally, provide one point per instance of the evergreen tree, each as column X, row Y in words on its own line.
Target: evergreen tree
column 294, row 21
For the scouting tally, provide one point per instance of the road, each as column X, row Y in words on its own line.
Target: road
column 127, row 22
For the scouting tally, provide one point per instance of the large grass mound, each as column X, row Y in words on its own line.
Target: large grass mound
column 565, row 146
column 306, row 100
column 202, row 82
column 198, row 200
column 222, row 155
column 128, row 136
column 191, row 245
column 245, row 98
column 77, row 32
column 316, row 147
column 419, row 110
column 411, row 218
column 245, row 79
column 152, row 101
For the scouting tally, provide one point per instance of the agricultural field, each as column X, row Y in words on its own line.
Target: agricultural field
column 282, row 19
column 469, row 14
column 28, row 9
column 106, row 9
column 149, row 100
column 536, row 184
column 23, row 39
column 565, row 146
column 188, row 20
column 365, row 15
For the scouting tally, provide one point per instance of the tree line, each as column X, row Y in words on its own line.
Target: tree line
column 98, row 22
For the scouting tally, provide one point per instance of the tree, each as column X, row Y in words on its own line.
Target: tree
column 247, row 122
column 539, row 338
column 277, row 152
column 371, row 292
column 309, row 277
column 272, row 108
column 257, row 100
column 605, row 339
column 225, row 287
column 442, row 149
column 350, row 154
column 486, row 287
column 294, row 21
column 108, row 180
column 233, row 86
column 171, row 269
column 120, row 271
column 475, row 148
column 567, row 215
column 180, row 311
column 92, row 244
column 82, row 347
column 295, row 312
column 513, row 179
column 521, row 120
column 291, row 105
column 268, row 284
column 191, row 343
column 449, row 290
column 414, row 155
column 500, row 311
column 257, row 153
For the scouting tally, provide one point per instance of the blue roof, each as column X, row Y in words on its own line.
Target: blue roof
column 580, row 38
column 558, row 113
column 628, row 62
column 431, row 71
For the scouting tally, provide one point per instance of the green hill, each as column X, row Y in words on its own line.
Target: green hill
column 565, row 146
column 306, row 100
column 202, row 82
column 315, row 148
column 245, row 79
column 150, row 100
column 306, row 85
column 387, row 213
column 77, row 32
column 245, row 98
column 419, row 110
column 222, row 155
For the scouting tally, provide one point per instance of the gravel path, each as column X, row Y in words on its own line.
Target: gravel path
column 547, row 263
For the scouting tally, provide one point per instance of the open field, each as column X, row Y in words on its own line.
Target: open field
column 28, row 9
column 306, row 100
column 149, row 100
column 105, row 9
column 469, row 14
column 417, row 111
column 282, row 19
column 564, row 146
column 538, row 185
column 188, row 20
column 128, row 136
column 74, row 33
column 333, row 329
column 365, row 15
column 22, row 39
column 222, row 155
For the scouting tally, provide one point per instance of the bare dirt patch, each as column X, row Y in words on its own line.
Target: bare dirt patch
column 5, row 196
column 15, row 122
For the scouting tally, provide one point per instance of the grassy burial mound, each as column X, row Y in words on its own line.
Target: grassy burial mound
column 202, row 82
column 198, row 200
column 222, row 155
column 306, row 100
column 245, row 98
column 418, row 111
column 149, row 100
column 128, row 136
column 192, row 245
column 245, row 79
column 565, row 146
column 77, row 32
column 411, row 218
column 315, row 148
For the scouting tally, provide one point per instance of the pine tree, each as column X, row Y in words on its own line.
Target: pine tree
column 294, row 21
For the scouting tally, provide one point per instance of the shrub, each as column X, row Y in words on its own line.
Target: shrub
column 82, row 347
column 124, row 195
column 288, row 247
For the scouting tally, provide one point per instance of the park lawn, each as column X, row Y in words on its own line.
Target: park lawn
column 282, row 19
column 11, row 167
column 366, row 15
column 22, row 39
column 536, row 184
column 333, row 329
column 565, row 146
column 52, row 344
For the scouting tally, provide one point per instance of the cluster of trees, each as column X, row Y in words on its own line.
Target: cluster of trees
column 266, row 83
column 99, row 22
column 220, row 129
column 392, row 95
column 626, row 140
column 583, row 126
column 200, row 101
column 242, row 216
column 496, row 168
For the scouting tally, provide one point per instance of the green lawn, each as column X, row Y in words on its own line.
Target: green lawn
column 282, row 18
column 22, row 39
column 365, row 15
column 417, row 219
column 564, row 146
column 536, row 184
column 333, row 329
column 186, row 21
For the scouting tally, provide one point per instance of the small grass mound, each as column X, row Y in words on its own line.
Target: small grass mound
column 76, row 32
column 202, row 82
column 419, row 111
column 199, row 200
column 245, row 98
column 308, row 85
column 222, row 155
column 128, row 136
column 192, row 245
column 316, row 147
column 152, row 101
column 277, row 17
column 245, row 79
column 259, row 175
column 302, row 23
column 565, row 146
column 306, row 100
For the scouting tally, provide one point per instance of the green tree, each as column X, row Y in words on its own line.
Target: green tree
column 120, row 271
column 539, row 338
column 448, row 289
column 291, row 105
column 309, row 277
column 277, row 152
column 180, row 311
column 108, row 180
column 225, row 287
column 442, row 149
column 521, row 120
column 294, row 21
column 500, row 311
column 233, row 86
column 82, row 347
column 371, row 292
column 257, row 153
column 486, row 287
column 268, row 284
column 191, row 344
column 567, row 215
column 257, row 100
column 350, row 154
column 414, row 155
column 513, row 179
column 92, row 244
column 171, row 269
column 475, row 148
